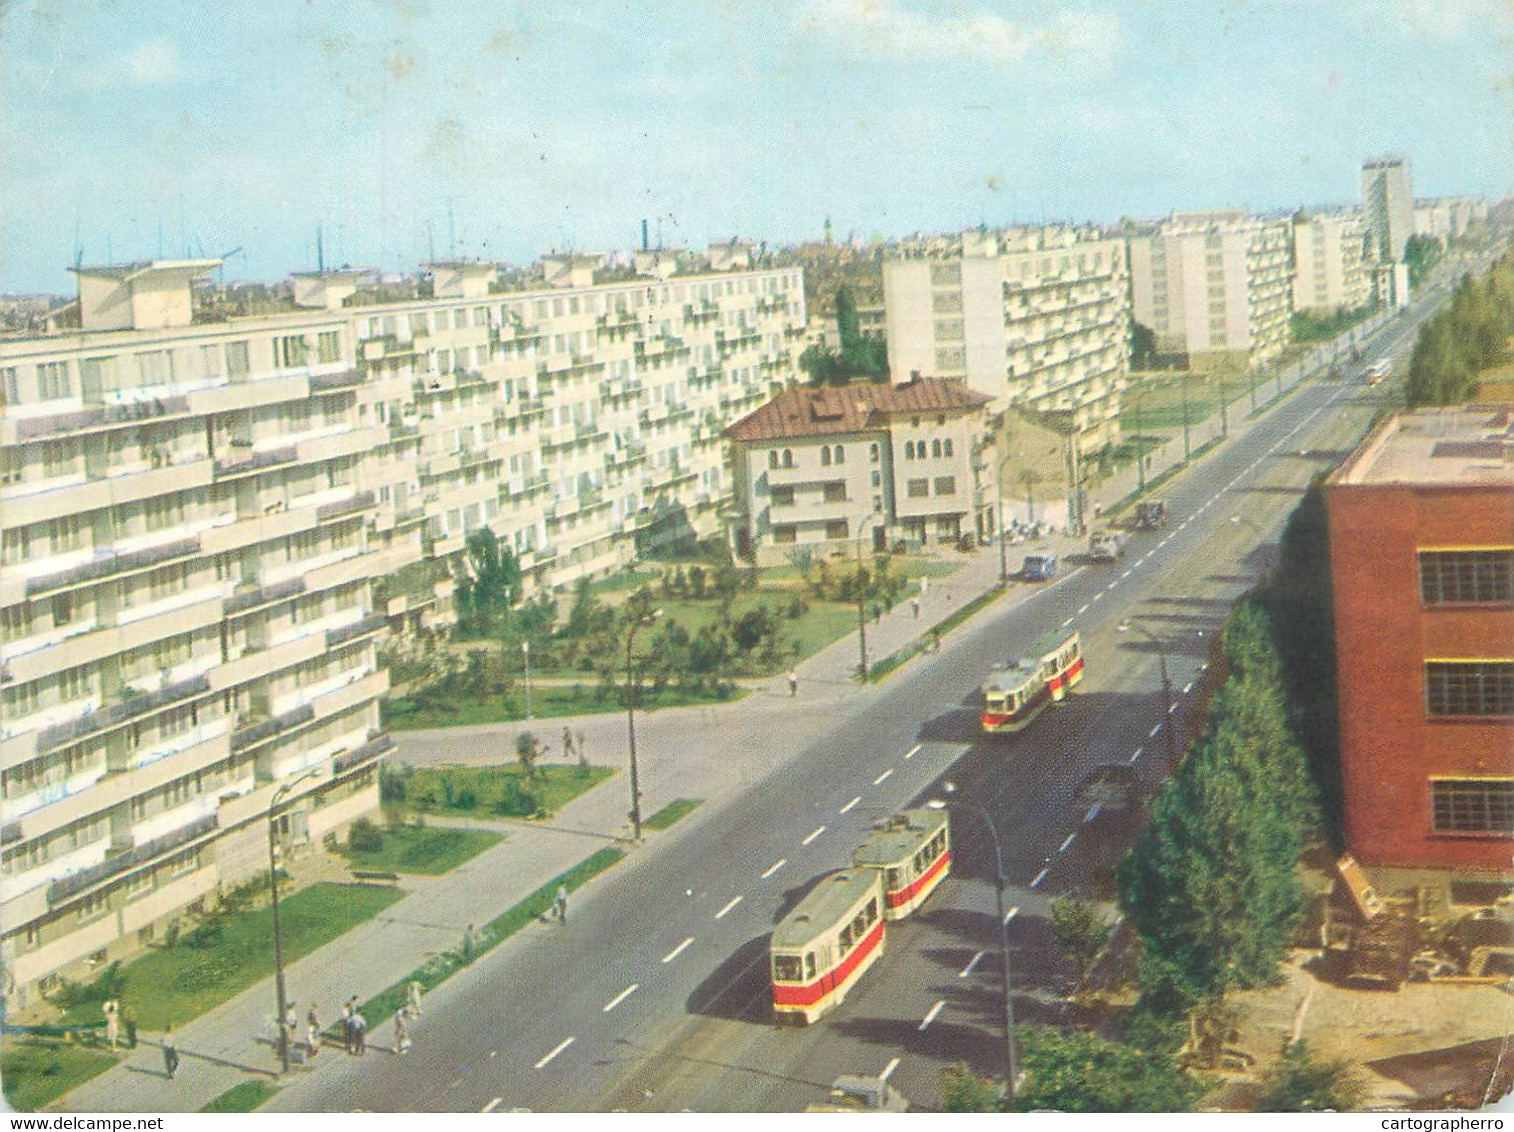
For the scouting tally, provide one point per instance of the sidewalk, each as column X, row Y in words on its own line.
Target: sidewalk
column 222, row 1047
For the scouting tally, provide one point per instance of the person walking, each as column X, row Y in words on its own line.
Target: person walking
column 470, row 943
column 583, row 759
column 560, row 904
column 401, row 1034
column 914, row 604
column 112, row 1011
column 170, row 1054
column 359, row 1033
column 313, row 1031
column 567, row 742
column 414, row 999
column 291, row 1028
column 877, row 614
column 793, row 682
column 348, row 1033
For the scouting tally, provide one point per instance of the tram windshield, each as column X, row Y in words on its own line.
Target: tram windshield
column 787, row 969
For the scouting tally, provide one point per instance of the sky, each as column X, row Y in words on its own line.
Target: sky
column 500, row 130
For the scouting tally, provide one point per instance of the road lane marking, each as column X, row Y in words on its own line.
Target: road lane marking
column 1093, row 812
column 1152, row 734
column 1071, row 837
column 1067, row 622
column 564, row 1044
column 677, row 951
column 913, row 751
column 774, row 867
column 492, row 1105
column 1188, row 687
column 735, row 900
column 888, row 1070
column 1135, row 755
column 1012, row 913
column 1040, row 876
column 971, row 963
column 1097, row 597
column 621, row 997
column 814, row 835
column 930, row 1015
column 879, row 780
column 1172, row 707
column 1127, row 573
column 1083, row 609
column 850, row 804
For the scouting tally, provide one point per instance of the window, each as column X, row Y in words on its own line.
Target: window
column 946, row 485
column 935, row 449
column 289, row 351
column 155, row 367
column 15, row 545
column 909, row 449
column 918, row 489
column 836, row 529
column 785, row 534
column 825, row 455
column 877, row 479
column 1477, row 688
column 773, row 458
column 9, row 394
column 872, row 453
column 66, row 533
column 788, row 457
column 1448, row 577
column 15, row 622
column 63, row 610
column 53, row 382
column 1472, row 805
column 236, row 360
column 329, row 345
column 840, row 454
column 783, row 497
column 946, row 448
column 835, row 491
column 57, row 459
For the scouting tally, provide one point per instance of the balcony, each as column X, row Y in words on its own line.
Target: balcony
column 342, row 379
column 266, row 729
column 255, row 461
column 113, row 564
column 260, row 596
column 75, row 883
column 350, row 760
column 373, row 623
column 140, row 704
column 362, row 501
column 93, row 417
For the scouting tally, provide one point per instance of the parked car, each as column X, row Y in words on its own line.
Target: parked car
column 1150, row 514
column 1106, row 546
column 862, row 1094
column 1038, row 567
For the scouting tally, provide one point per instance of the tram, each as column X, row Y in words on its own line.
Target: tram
column 1016, row 694
column 824, row 945
column 912, row 850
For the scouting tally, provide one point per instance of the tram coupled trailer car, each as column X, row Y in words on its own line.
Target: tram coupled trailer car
column 1018, row 693
column 912, row 850
column 824, row 945
column 1061, row 657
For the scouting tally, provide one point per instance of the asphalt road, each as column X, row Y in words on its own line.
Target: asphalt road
column 653, row 995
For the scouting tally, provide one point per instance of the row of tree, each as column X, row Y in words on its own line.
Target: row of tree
column 859, row 357
column 1467, row 336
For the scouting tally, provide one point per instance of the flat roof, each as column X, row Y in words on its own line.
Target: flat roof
column 1466, row 446
column 826, row 903
column 899, row 837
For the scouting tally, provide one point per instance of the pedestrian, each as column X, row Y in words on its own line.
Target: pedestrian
column 359, row 1033
column 414, row 997
column 401, row 1034
column 914, row 604
column 560, row 904
column 567, row 742
column 469, row 944
column 170, row 1054
column 112, row 1011
column 313, row 1030
column 583, row 758
column 793, row 682
column 349, row 1008
column 924, row 584
column 877, row 614
column 291, row 1028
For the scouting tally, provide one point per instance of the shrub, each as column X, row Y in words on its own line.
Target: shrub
column 206, row 935
column 110, row 983
column 365, row 837
column 514, row 801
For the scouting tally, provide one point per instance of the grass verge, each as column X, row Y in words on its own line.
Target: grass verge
column 38, row 1073
column 548, row 701
column 170, row 986
column 439, row 968
column 421, row 849
column 242, row 1098
column 474, row 791
column 679, row 807
column 885, row 667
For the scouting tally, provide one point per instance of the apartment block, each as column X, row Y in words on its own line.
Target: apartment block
column 1422, row 569
column 206, row 522
column 1387, row 188
column 1036, row 318
column 1330, row 268
column 858, row 468
column 1448, row 218
column 1214, row 283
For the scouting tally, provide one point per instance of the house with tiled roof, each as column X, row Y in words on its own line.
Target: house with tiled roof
column 835, row 468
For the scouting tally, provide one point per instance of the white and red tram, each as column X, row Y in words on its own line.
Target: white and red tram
column 912, row 850
column 824, row 945
column 1016, row 694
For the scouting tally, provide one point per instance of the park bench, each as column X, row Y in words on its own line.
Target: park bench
column 370, row 876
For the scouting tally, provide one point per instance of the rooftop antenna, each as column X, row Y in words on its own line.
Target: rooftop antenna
column 320, row 250
column 223, row 257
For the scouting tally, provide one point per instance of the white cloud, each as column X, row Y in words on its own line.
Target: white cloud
column 152, row 62
column 889, row 28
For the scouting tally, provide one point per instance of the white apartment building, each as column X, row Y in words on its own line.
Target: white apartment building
column 1330, row 268
column 1214, row 283
column 1036, row 318
column 1447, row 218
column 1388, row 205
column 857, row 468
column 205, row 524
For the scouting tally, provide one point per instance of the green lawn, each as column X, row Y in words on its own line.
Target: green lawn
column 679, row 807
column 548, row 701
column 169, row 987
column 241, row 1098
column 444, row 789
column 419, row 849
column 37, row 1073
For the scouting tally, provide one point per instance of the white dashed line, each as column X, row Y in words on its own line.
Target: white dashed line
column 1097, row 597
column 1067, row 622
column 1082, row 610
column 735, row 900
column 775, row 866
column 1152, row 734
column 492, row 1105
column 880, row 779
column 1012, row 913
column 850, row 804
column 1135, row 755
column 1040, row 876
column 677, row 951
column 1071, row 837
column 1188, row 687
column 1093, row 812
column 1129, row 572
column 913, row 751
column 930, row 1015
column 971, row 964
column 566, row 1042
column 888, row 1070
column 814, row 835
column 1172, row 708
column 621, row 997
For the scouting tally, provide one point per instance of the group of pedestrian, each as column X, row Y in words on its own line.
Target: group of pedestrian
column 354, row 1028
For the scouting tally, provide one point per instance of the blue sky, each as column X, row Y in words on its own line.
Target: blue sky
column 561, row 124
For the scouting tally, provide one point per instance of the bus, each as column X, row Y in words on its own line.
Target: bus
column 825, row 944
column 1017, row 693
column 912, row 850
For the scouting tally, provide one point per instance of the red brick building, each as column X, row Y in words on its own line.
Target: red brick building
column 1422, row 566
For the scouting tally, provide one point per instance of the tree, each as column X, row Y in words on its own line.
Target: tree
column 1298, row 1083
column 527, row 750
column 493, row 580
column 1143, row 347
column 847, row 327
column 1080, row 932
column 964, row 1091
column 1421, row 253
column 1083, row 1073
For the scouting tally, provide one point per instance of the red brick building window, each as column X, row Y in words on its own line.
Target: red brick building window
column 1455, row 577
column 1476, row 687
column 1472, row 805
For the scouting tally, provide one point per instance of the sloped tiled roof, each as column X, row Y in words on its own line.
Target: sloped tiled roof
column 807, row 411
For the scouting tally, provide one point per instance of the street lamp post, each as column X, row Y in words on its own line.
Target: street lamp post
column 999, row 488
column 1167, row 701
column 631, row 688
column 1187, row 447
column 525, row 652
column 861, row 610
column 278, row 937
column 1011, row 1069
